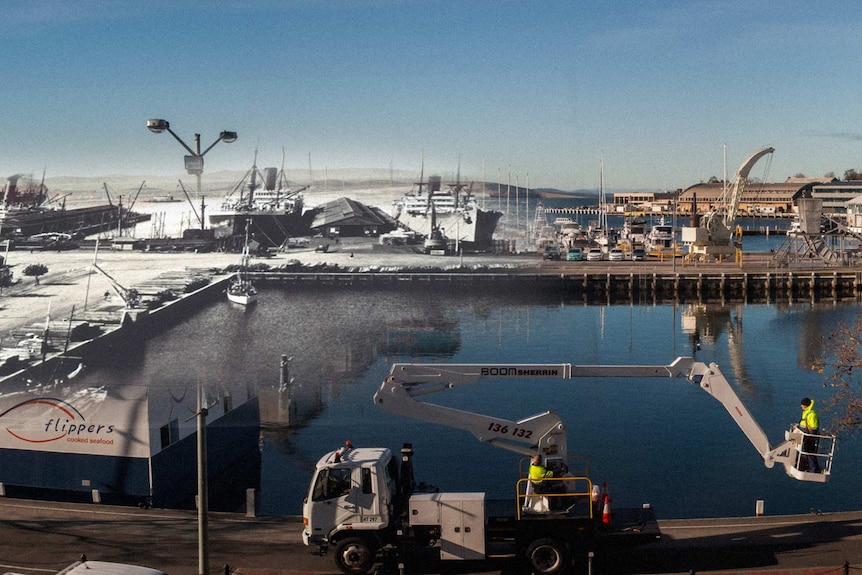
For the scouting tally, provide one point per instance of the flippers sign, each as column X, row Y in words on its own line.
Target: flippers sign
column 100, row 425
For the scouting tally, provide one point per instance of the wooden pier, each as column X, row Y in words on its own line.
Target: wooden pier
column 605, row 287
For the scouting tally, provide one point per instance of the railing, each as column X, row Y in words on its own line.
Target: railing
column 569, row 494
column 814, row 450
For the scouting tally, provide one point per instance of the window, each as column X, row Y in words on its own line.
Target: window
column 169, row 433
column 367, row 484
column 331, row 483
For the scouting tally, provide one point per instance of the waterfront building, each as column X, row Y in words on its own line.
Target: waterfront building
column 348, row 218
column 758, row 198
column 646, row 202
column 836, row 194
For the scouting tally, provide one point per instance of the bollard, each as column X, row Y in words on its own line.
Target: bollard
column 758, row 507
column 97, row 497
column 249, row 503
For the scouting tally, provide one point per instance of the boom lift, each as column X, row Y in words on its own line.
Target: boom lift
column 545, row 432
column 359, row 503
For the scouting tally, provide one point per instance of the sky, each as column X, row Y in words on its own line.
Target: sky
column 664, row 94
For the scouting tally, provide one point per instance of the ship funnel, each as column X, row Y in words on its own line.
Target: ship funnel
column 11, row 188
column 270, row 175
column 434, row 184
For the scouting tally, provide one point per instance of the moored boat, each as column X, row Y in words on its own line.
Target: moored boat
column 241, row 291
column 660, row 238
column 453, row 212
column 27, row 211
column 270, row 214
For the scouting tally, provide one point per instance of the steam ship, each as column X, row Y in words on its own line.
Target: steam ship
column 453, row 212
column 27, row 211
column 268, row 215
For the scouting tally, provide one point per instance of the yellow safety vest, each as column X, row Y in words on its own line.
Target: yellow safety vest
column 810, row 420
column 537, row 473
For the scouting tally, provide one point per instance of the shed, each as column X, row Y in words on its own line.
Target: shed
column 348, row 218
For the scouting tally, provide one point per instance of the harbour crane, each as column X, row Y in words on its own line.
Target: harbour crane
column 130, row 296
column 714, row 236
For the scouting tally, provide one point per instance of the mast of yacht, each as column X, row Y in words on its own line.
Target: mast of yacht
column 603, row 212
column 527, row 209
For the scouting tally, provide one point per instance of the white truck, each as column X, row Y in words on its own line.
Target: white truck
column 363, row 502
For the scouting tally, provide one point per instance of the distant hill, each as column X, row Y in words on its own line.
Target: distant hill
column 554, row 193
column 216, row 184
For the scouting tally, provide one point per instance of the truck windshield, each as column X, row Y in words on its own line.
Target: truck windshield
column 331, row 483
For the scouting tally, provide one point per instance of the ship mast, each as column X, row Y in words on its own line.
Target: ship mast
column 252, row 186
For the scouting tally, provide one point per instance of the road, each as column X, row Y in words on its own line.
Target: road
column 38, row 538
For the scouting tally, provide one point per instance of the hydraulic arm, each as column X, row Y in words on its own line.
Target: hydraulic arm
column 545, row 432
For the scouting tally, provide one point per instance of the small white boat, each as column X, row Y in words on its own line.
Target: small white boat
column 241, row 291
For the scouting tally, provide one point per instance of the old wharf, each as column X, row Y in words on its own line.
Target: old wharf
column 624, row 283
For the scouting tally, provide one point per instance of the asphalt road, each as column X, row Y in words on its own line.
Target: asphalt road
column 41, row 537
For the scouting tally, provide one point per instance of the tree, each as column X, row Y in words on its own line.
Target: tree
column 36, row 270
column 799, row 175
column 852, row 174
column 840, row 364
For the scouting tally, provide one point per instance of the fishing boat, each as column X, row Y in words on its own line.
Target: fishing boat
column 452, row 212
column 241, row 291
column 271, row 214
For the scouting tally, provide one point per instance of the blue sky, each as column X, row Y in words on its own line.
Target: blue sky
column 538, row 89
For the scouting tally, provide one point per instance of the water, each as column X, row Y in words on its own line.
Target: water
column 659, row 441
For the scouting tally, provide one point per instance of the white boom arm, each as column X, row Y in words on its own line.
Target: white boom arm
column 545, row 433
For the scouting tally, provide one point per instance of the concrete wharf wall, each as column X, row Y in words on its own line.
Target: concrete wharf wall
column 605, row 287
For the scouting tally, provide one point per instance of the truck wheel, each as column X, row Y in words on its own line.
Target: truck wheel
column 354, row 556
column 547, row 557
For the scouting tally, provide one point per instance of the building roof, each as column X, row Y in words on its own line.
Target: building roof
column 753, row 191
column 802, row 180
column 347, row 212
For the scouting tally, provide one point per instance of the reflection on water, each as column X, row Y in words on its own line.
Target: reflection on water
column 658, row 441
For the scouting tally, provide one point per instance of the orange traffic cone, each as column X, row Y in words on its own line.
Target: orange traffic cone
column 606, row 511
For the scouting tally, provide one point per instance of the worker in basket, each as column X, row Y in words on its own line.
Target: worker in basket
column 539, row 473
column 809, row 424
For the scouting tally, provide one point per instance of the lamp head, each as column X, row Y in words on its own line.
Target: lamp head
column 158, row 126
column 227, row 137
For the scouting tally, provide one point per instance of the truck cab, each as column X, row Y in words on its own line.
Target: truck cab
column 352, row 491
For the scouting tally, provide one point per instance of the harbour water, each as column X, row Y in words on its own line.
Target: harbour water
column 657, row 441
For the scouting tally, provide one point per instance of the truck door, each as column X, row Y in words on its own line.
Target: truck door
column 331, row 502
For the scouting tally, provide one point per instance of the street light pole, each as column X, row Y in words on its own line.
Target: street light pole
column 203, row 499
column 194, row 162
